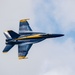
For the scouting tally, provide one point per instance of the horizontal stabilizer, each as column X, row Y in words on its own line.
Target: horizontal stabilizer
column 7, row 48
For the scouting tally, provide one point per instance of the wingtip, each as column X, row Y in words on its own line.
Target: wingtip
column 4, row 52
column 24, row 20
column 22, row 57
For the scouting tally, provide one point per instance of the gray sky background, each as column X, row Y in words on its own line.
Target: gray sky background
column 50, row 57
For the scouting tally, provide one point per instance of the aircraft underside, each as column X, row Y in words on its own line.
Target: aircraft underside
column 25, row 38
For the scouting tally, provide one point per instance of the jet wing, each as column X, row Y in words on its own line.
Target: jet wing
column 8, row 47
column 24, row 26
column 23, row 50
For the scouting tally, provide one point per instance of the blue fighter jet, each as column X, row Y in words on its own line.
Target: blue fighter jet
column 25, row 39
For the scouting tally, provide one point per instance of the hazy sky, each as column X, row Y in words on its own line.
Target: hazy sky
column 50, row 57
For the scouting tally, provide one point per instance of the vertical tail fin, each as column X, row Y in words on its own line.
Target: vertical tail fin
column 7, row 35
column 11, row 34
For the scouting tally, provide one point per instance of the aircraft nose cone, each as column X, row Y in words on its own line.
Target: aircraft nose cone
column 59, row 35
column 53, row 35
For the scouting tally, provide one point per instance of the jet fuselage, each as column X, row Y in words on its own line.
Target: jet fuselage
column 31, row 38
column 25, row 38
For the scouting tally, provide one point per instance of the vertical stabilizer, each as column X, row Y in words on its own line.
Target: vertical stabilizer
column 7, row 35
column 11, row 34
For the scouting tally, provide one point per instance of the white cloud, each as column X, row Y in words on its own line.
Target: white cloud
column 14, row 10
column 59, row 71
column 56, row 13
column 64, row 13
column 48, row 57
column 59, row 58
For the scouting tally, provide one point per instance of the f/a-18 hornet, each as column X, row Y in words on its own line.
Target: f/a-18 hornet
column 25, row 39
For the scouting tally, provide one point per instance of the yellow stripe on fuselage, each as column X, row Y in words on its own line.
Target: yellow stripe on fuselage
column 30, row 37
